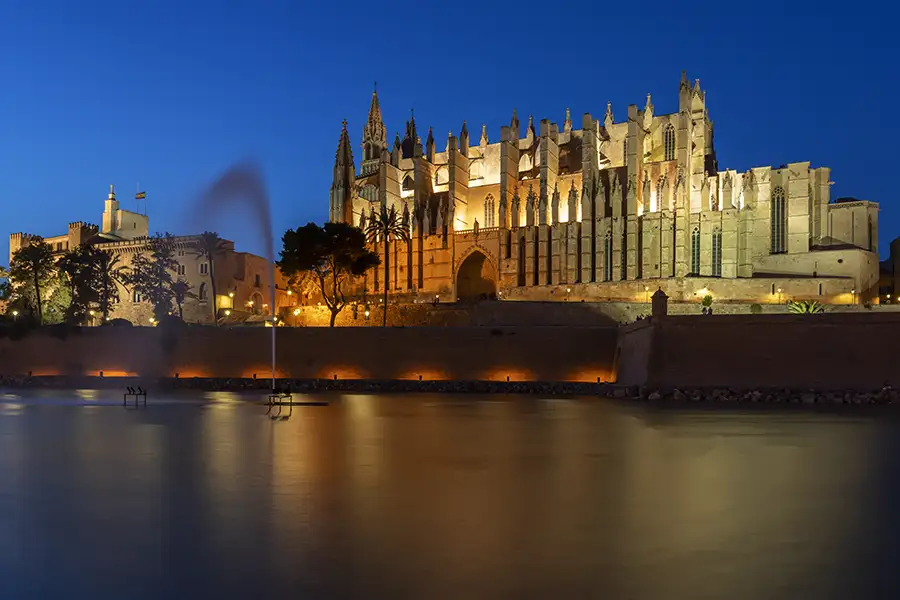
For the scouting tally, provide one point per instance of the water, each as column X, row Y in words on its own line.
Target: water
column 440, row 497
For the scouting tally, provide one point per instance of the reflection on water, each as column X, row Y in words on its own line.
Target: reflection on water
column 440, row 497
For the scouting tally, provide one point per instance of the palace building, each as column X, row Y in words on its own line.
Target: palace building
column 603, row 209
column 242, row 281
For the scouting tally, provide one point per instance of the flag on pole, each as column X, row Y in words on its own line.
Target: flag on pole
column 140, row 196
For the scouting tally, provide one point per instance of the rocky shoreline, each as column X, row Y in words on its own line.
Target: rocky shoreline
column 719, row 395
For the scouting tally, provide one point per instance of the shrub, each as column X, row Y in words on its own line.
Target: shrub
column 707, row 301
column 755, row 309
column 805, row 307
column 118, row 323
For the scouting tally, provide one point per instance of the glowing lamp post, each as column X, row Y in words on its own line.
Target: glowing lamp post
column 15, row 315
column 568, row 291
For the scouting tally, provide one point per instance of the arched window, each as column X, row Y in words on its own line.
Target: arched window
column 135, row 296
column 778, row 221
column 669, row 142
column 408, row 183
column 608, row 258
column 695, row 252
column 489, row 214
column 475, row 170
column 717, row 253
column 202, row 293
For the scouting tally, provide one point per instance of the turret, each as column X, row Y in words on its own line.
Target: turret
column 341, row 206
column 111, row 212
column 464, row 141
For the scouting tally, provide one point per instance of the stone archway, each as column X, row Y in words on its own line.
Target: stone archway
column 476, row 278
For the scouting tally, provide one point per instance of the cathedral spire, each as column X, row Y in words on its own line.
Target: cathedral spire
column 342, row 182
column 343, row 158
column 567, row 125
column 514, row 127
column 608, row 119
column 374, row 138
column 484, row 136
column 429, row 146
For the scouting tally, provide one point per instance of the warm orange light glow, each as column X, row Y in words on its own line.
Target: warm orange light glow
column 110, row 373
column 263, row 372
column 342, row 372
column 514, row 374
column 44, row 373
column 591, row 375
column 427, row 374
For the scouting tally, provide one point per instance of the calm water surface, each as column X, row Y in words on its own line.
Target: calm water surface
column 438, row 497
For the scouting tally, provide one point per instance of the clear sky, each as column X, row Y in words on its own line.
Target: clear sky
column 169, row 93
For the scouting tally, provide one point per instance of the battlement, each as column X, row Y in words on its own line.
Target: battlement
column 81, row 225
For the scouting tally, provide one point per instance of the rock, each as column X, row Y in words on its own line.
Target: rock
column 678, row 396
column 654, row 396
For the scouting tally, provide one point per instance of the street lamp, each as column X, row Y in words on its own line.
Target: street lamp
column 568, row 291
column 15, row 315
column 227, row 313
column 647, row 293
column 853, row 295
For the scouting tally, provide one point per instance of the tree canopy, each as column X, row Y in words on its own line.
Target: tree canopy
column 334, row 253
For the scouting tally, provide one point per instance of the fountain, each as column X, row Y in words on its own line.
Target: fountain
column 242, row 185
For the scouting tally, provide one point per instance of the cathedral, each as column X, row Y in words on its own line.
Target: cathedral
column 603, row 210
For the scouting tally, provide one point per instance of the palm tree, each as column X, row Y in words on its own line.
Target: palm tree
column 32, row 265
column 110, row 275
column 387, row 225
column 207, row 247
column 182, row 290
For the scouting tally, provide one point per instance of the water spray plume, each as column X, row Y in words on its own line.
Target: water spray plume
column 242, row 185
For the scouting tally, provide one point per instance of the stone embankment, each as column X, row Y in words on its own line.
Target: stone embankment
column 709, row 396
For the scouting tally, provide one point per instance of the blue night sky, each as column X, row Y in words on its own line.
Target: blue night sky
column 171, row 92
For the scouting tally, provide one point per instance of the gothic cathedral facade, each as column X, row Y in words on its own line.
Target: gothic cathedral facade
column 607, row 212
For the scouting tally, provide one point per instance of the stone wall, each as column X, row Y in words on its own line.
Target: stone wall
column 461, row 353
column 827, row 351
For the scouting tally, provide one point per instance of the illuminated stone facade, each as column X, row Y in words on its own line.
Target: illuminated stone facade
column 607, row 211
column 242, row 279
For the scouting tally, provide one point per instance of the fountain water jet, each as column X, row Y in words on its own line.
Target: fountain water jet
column 242, row 185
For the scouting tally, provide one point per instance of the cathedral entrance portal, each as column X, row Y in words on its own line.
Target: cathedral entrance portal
column 476, row 278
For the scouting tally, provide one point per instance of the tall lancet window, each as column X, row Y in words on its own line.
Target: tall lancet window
column 779, row 221
column 717, row 253
column 669, row 142
column 662, row 191
column 695, row 252
column 608, row 258
column 489, row 213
